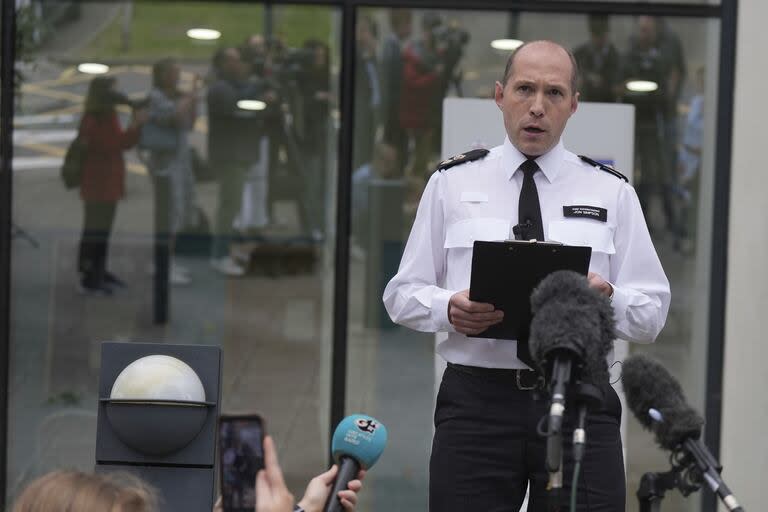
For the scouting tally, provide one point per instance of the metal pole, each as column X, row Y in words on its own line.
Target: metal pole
column 343, row 219
column 125, row 32
column 7, row 62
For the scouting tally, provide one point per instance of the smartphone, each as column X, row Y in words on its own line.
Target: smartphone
column 241, row 456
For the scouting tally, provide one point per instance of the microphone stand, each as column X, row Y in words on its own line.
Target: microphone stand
column 561, row 374
column 688, row 472
column 692, row 465
column 682, row 476
column 709, row 472
column 654, row 485
column 585, row 397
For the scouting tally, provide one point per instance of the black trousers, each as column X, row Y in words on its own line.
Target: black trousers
column 486, row 449
column 98, row 218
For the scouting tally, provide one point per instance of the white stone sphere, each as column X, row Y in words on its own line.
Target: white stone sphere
column 158, row 378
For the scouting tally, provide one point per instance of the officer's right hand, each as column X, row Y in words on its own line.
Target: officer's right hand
column 470, row 317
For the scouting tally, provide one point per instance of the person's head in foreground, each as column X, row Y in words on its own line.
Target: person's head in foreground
column 70, row 491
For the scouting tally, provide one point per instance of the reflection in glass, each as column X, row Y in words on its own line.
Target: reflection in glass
column 211, row 211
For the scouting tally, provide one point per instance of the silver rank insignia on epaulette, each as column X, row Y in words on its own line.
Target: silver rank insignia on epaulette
column 469, row 156
column 603, row 167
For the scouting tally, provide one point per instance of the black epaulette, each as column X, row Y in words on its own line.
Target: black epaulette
column 469, row 156
column 606, row 168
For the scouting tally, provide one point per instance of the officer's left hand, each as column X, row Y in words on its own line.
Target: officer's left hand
column 597, row 282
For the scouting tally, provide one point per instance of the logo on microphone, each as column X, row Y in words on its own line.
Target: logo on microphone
column 367, row 425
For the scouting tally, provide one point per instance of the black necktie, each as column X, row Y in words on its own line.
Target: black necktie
column 530, row 226
column 528, row 209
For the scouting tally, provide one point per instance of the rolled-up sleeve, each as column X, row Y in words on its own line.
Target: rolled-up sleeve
column 641, row 293
column 414, row 296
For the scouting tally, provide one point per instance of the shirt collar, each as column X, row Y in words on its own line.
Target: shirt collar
column 549, row 162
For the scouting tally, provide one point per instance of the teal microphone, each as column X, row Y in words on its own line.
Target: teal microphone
column 357, row 444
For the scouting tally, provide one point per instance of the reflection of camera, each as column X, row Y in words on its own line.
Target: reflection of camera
column 293, row 63
column 116, row 98
column 452, row 39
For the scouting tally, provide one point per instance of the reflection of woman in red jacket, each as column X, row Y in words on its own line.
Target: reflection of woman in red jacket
column 103, row 179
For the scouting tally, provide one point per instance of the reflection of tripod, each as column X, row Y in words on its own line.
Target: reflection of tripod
column 284, row 142
column 19, row 232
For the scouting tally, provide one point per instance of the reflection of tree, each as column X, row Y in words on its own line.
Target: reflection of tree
column 36, row 21
column 27, row 41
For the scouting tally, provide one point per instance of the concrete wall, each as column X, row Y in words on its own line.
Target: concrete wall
column 745, row 400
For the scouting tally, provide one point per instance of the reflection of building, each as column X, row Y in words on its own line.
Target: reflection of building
column 281, row 334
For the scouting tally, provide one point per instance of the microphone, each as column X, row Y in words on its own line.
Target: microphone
column 657, row 401
column 357, row 444
column 521, row 230
column 571, row 334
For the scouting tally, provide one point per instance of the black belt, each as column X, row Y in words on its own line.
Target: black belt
column 524, row 380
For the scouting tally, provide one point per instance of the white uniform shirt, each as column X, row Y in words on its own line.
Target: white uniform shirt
column 479, row 201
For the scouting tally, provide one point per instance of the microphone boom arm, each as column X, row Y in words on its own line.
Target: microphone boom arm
column 710, row 471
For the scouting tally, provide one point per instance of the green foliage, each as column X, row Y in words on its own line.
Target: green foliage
column 159, row 28
column 25, row 46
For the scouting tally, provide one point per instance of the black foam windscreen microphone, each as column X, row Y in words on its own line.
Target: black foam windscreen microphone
column 569, row 316
column 648, row 385
column 571, row 334
column 657, row 401
column 522, row 229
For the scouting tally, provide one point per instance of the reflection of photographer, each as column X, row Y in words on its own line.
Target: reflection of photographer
column 428, row 67
column 296, row 130
column 367, row 89
column 450, row 41
column 232, row 147
column 655, row 55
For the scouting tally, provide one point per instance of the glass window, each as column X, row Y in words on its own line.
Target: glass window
column 408, row 61
column 203, row 213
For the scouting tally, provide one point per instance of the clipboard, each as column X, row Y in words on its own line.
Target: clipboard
column 505, row 274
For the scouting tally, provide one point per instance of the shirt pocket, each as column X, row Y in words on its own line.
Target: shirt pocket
column 585, row 232
column 465, row 232
column 473, row 197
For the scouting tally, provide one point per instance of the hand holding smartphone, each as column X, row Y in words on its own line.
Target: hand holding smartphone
column 241, row 456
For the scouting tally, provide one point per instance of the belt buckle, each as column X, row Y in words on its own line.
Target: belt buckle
column 520, row 385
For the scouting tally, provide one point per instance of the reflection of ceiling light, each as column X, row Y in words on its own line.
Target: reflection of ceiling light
column 642, row 86
column 93, row 68
column 506, row 44
column 251, row 105
column 204, row 34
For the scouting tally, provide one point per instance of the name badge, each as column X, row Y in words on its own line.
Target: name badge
column 588, row 212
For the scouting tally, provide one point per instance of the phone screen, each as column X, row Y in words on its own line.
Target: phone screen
column 241, row 456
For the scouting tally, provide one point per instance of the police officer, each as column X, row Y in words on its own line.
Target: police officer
column 486, row 448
